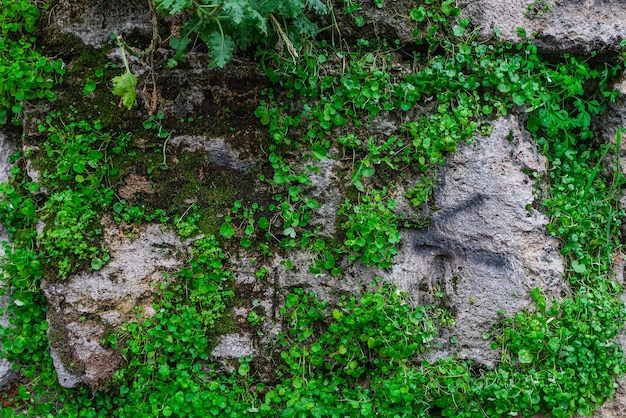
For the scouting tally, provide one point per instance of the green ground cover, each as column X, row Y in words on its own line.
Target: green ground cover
column 358, row 357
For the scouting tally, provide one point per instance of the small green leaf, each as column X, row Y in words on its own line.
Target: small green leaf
column 368, row 171
column 578, row 267
column 263, row 223
column 458, row 30
column 318, row 151
column 79, row 168
column 124, row 87
column 418, row 14
column 554, row 344
column 525, row 357
column 227, row 230
column 90, row 87
column 244, row 368
column 519, row 99
column 96, row 263
column 532, row 124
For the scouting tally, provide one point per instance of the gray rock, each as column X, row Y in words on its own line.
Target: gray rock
column 66, row 378
column 388, row 22
column 234, row 346
column 94, row 21
column 325, row 286
column 90, row 304
column 613, row 119
column 219, row 152
column 579, row 26
column 7, row 147
column 487, row 247
column 324, row 187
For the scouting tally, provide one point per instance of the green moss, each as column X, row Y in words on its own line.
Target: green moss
column 191, row 180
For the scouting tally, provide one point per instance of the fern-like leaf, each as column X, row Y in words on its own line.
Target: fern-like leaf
column 171, row 7
column 220, row 49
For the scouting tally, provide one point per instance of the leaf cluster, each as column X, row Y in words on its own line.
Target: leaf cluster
column 225, row 24
column 371, row 229
column 25, row 73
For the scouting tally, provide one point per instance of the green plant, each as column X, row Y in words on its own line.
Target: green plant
column 356, row 359
column 78, row 192
column 124, row 85
column 364, row 355
column 421, row 193
column 254, row 318
column 371, row 229
column 25, row 73
column 538, row 8
column 226, row 24
column 165, row 352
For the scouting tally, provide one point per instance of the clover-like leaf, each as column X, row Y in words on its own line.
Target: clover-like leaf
column 525, row 357
column 227, row 230
column 96, row 263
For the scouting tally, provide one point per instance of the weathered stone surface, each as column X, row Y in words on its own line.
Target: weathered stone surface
column 94, row 21
column 135, row 185
column 90, row 304
column 7, row 147
column 579, row 26
column 324, row 186
column 234, row 346
column 487, row 247
column 218, row 151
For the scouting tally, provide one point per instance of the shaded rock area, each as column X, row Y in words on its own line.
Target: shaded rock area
column 90, row 305
column 218, row 151
column 7, row 147
column 94, row 22
column 579, row 26
column 487, row 246
column 389, row 22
